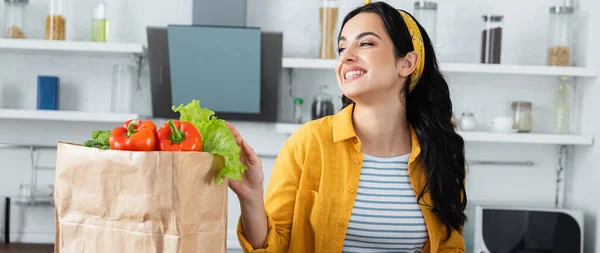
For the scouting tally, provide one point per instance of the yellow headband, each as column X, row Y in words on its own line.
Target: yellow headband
column 417, row 41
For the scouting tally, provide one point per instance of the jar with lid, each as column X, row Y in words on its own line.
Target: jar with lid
column 56, row 20
column 467, row 122
column 322, row 104
column 426, row 15
column 562, row 106
column 491, row 39
column 328, row 18
column 522, row 118
column 14, row 18
column 561, row 35
column 298, row 110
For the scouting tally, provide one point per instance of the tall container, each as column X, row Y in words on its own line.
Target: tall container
column 14, row 16
column 563, row 102
column 328, row 17
column 561, row 35
column 491, row 39
column 426, row 15
column 56, row 20
column 100, row 23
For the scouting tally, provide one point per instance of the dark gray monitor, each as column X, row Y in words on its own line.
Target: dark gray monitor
column 233, row 71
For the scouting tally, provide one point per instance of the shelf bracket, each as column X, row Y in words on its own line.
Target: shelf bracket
column 563, row 157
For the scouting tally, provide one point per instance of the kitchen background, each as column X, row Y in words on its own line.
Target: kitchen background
column 86, row 76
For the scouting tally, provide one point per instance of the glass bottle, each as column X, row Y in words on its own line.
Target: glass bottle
column 328, row 17
column 56, row 21
column 491, row 39
column 322, row 105
column 561, row 35
column 522, row 116
column 562, row 106
column 426, row 15
column 298, row 110
column 100, row 23
column 14, row 17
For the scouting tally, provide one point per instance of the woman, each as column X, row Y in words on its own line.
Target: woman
column 386, row 172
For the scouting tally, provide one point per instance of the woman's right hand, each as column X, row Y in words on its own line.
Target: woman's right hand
column 251, row 186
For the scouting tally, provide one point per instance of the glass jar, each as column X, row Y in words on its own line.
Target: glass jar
column 561, row 35
column 56, row 21
column 426, row 15
column 328, row 17
column 123, row 88
column 298, row 110
column 562, row 106
column 14, row 17
column 491, row 39
column 522, row 118
column 322, row 105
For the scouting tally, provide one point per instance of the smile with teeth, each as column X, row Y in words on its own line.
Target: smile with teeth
column 354, row 73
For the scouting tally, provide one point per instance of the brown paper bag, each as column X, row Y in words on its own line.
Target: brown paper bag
column 110, row 201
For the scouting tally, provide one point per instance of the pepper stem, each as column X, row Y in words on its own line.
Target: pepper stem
column 130, row 127
column 177, row 135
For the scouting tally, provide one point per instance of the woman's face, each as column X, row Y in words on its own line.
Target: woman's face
column 368, row 69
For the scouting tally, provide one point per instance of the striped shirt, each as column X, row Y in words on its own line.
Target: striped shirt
column 386, row 216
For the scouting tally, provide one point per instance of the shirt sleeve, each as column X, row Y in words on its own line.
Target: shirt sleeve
column 280, row 197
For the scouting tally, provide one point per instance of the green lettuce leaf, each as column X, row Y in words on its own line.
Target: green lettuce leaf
column 216, row 138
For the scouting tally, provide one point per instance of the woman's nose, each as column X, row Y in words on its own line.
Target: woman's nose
column 348, row 55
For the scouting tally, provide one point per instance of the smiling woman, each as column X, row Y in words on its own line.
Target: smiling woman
column 385, row 174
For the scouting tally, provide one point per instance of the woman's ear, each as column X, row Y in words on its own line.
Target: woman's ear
column 408, row 64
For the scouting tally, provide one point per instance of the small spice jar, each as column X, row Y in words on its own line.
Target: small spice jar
column 426, row 15
column 561, row 35
column 14, row 17
column 522, row 116
column 56, row 20
column 491, row 39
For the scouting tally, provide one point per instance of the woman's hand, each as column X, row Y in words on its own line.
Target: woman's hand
column 251, row 186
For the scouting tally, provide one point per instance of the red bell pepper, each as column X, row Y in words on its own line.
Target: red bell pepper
column 134, row 135
column 179, row 136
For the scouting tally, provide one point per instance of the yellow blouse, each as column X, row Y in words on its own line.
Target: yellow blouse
column 313, row 186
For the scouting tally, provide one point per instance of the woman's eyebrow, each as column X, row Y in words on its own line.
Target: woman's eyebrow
column 342, row 38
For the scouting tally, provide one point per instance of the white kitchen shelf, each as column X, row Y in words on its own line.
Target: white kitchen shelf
column 308, row 63
column 72, row 116
column 530, row 138
column 70, row 46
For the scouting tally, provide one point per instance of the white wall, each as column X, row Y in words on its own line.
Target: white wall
column 85, row 80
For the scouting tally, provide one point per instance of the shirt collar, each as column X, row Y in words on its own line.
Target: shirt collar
column 343, row 129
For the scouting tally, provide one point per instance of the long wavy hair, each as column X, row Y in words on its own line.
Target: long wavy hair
column 429, row 112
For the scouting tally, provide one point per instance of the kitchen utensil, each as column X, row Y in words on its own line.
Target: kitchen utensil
column 328, row 17
column 123, row 88
column 501, row 124
column 426, row 15
column 491, row 39
column 14, row 18
column 47, row 93
column 322, row 105
column 467, row 122
column 56, row 21
column 561, row 34
column 522, row 116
